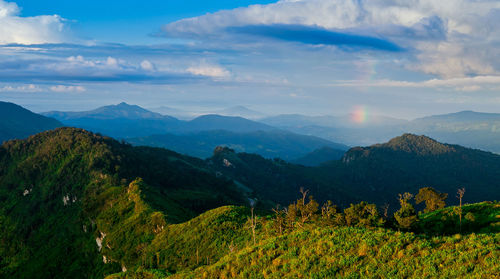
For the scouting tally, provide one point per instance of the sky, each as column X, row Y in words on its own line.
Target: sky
column 318, row 57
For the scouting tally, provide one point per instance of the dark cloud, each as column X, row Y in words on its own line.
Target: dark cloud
column 315, row 36
column 133, row 78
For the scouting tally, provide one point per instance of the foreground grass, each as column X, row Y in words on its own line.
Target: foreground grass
column 360, row 253
column 317, row 251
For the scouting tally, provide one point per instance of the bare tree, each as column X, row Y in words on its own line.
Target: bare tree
column 304, row 195
column 306, row 210
column 460, row 195
column 253, row 222
column 279, row 219
column 386, row 210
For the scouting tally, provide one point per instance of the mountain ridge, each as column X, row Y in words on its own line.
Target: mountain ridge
column 121, row 110
column 17, row 122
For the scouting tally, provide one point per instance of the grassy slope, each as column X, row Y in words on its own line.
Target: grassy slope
column 137, row 236
column 359, row 253
column 318, row 251
column 186, row 246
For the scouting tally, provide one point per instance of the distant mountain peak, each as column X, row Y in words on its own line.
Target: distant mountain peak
column 124, row 105
column 410, row 144
column 421, row 145
column 121, row 110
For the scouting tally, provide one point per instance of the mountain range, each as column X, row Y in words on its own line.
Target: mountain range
column 203, row 133
column 467, row 128
column 127, row 121
column 196, row 137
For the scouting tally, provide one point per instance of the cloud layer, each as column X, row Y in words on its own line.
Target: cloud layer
column 293, row 56
column 113, row 63
column 451, row 38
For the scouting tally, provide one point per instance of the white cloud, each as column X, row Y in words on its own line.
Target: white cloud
column 32, row 88
column 80, row 63
column 29, row 30
column 147, row 66
column 452, row 38
column 111, row 62
column 213, row 71
column 67, row 88
column 20, row 88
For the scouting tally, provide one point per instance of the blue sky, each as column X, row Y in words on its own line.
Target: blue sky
column 290, row 56
column 126, row 21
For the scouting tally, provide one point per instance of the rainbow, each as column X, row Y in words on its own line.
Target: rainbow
column 359, row 115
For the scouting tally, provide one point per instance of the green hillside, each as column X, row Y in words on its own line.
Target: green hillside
column 359, row 253
column 60, row 189
column 78, row 205
column 409, row 162
column 321, row 249
column 374, row 174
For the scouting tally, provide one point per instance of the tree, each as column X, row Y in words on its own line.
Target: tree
column 363, row 214
column 386, row 211
column 307, row 210
column 329, row 213
column 460, row 195
column 300, row 212
column 252, row 220
column 279, row 219
column 432, row 198
column 406, row 215
column 291, row 215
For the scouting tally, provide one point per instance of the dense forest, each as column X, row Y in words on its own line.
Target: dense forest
column 139, row 212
